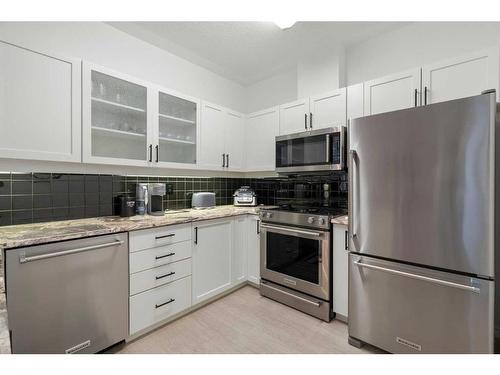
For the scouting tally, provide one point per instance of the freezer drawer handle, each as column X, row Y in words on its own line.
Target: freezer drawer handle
column 419, row 277
column 298, row 231
column 317, row 304
column 24, row 259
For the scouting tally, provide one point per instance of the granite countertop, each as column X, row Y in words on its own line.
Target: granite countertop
column 342, row 220
column 34, row 234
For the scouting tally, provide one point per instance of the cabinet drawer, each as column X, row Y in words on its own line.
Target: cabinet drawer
column 157, row 304
column 154, row 277
column 149, row 238
column 146, row 259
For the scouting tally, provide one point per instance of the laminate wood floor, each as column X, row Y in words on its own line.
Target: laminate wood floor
column 246, row 322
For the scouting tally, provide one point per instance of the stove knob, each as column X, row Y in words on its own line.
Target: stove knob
column 321, row 221
column 310, row 220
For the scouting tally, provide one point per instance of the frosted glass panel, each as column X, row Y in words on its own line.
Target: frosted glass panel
column 119, row 113
column 177, row 129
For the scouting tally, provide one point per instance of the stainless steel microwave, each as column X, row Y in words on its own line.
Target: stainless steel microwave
column 312, row 151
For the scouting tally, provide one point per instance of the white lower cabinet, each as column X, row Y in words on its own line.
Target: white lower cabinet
column 212, row 263
column 253, row 248
column 340, row 270
column 239, row 254
column 155, row 305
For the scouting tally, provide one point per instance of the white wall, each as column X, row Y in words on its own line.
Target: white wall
column 104, row 45
column 278, row 89
column 416, row 45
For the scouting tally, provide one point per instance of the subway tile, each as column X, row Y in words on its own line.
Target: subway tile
column 5, row 187
column 42, row 201
column 91, row 199
column 76, row 199
column 42, row 186
column 76, row 212
column 5, row 203
column 60, row 186
column 60, row 200
column 22, row 187
column 5, row 176
column 21, row 176
column 91, row 211
column 5, row 218
column 22, row 202
column 105, row 184
column 22, row 217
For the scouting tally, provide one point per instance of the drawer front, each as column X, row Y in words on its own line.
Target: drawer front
column 146, row 259
column 149, row 238
column 407, row 309
column 148, row 279
column 157, row 304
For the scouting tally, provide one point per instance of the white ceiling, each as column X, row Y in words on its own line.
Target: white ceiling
column 247, row 52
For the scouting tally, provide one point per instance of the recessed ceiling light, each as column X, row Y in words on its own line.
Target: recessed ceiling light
column 284, row 24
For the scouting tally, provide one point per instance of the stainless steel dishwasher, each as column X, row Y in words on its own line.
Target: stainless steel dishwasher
column 68, row 297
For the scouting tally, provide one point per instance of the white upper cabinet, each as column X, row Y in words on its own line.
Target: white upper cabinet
column 460, row 77
column 40, row 94
column 294, row 117
column 355, row 100
column 176, row 130
column 234, row 142
column 328, row 110
column 212, row 136
column 397, row 91
column 116, row 126
column 260, row 135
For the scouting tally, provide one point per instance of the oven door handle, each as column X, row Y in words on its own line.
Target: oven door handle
column 284, row 229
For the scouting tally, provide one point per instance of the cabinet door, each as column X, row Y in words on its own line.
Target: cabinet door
column 239, row 258
column 115, row 118
column 176, row 130
column 340, row 270
column 328, row 110
column 460, row 77
column 253, row 248
column 212, row 136
column 211, row 258
column 40, row 115
column 355, row 100
column 397, row 91
column 234, row 140
column 294, row 117
column 261, row 130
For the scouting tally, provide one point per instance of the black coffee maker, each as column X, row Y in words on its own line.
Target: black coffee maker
column 156, row 195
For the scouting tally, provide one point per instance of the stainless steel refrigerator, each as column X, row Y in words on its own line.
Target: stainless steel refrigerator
column 422, row 224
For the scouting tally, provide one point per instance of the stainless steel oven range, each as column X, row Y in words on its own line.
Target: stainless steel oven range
column 295, row 256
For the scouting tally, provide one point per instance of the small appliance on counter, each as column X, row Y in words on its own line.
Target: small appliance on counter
column 244, row 196
column 125, row 206
column 203, row 200
column 141, row 199
column 156, row 194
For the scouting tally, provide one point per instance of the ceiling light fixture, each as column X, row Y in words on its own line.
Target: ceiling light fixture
column 284, row 24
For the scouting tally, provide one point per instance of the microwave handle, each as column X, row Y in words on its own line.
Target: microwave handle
column 328, row 148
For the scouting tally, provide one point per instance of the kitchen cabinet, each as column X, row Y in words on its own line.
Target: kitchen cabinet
column 221, row 143
column 176, row 130
column 390, row 93
column 239, row 253
column 212, row 261
column 253, row 248
column 40, row 110
column 340, row 271
column 261, row 129
column 328, row 110
column 355, row 98
column 234, row 140
column 294, row 116
column 116, row 108
column 460, row 77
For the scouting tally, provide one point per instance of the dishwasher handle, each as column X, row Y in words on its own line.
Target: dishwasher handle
column 24, row 259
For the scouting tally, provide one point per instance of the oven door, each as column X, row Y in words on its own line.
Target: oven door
column 296, row 258
column 319, row 150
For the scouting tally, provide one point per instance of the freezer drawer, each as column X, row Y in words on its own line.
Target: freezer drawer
column 407, row 309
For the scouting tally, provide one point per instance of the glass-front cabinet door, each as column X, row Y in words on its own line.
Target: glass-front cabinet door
column 115, row 117
column 177, row 129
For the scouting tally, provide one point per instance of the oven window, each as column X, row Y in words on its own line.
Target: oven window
column 293, row 256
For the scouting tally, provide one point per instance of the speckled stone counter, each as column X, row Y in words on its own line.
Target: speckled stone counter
column 34, row 234
column 342, row 220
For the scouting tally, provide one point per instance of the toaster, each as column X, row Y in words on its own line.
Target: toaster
column 244, row 196
column 203, row 200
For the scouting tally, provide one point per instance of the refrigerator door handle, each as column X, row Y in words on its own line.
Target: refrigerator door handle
column 419, row 277
column 350, row 226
